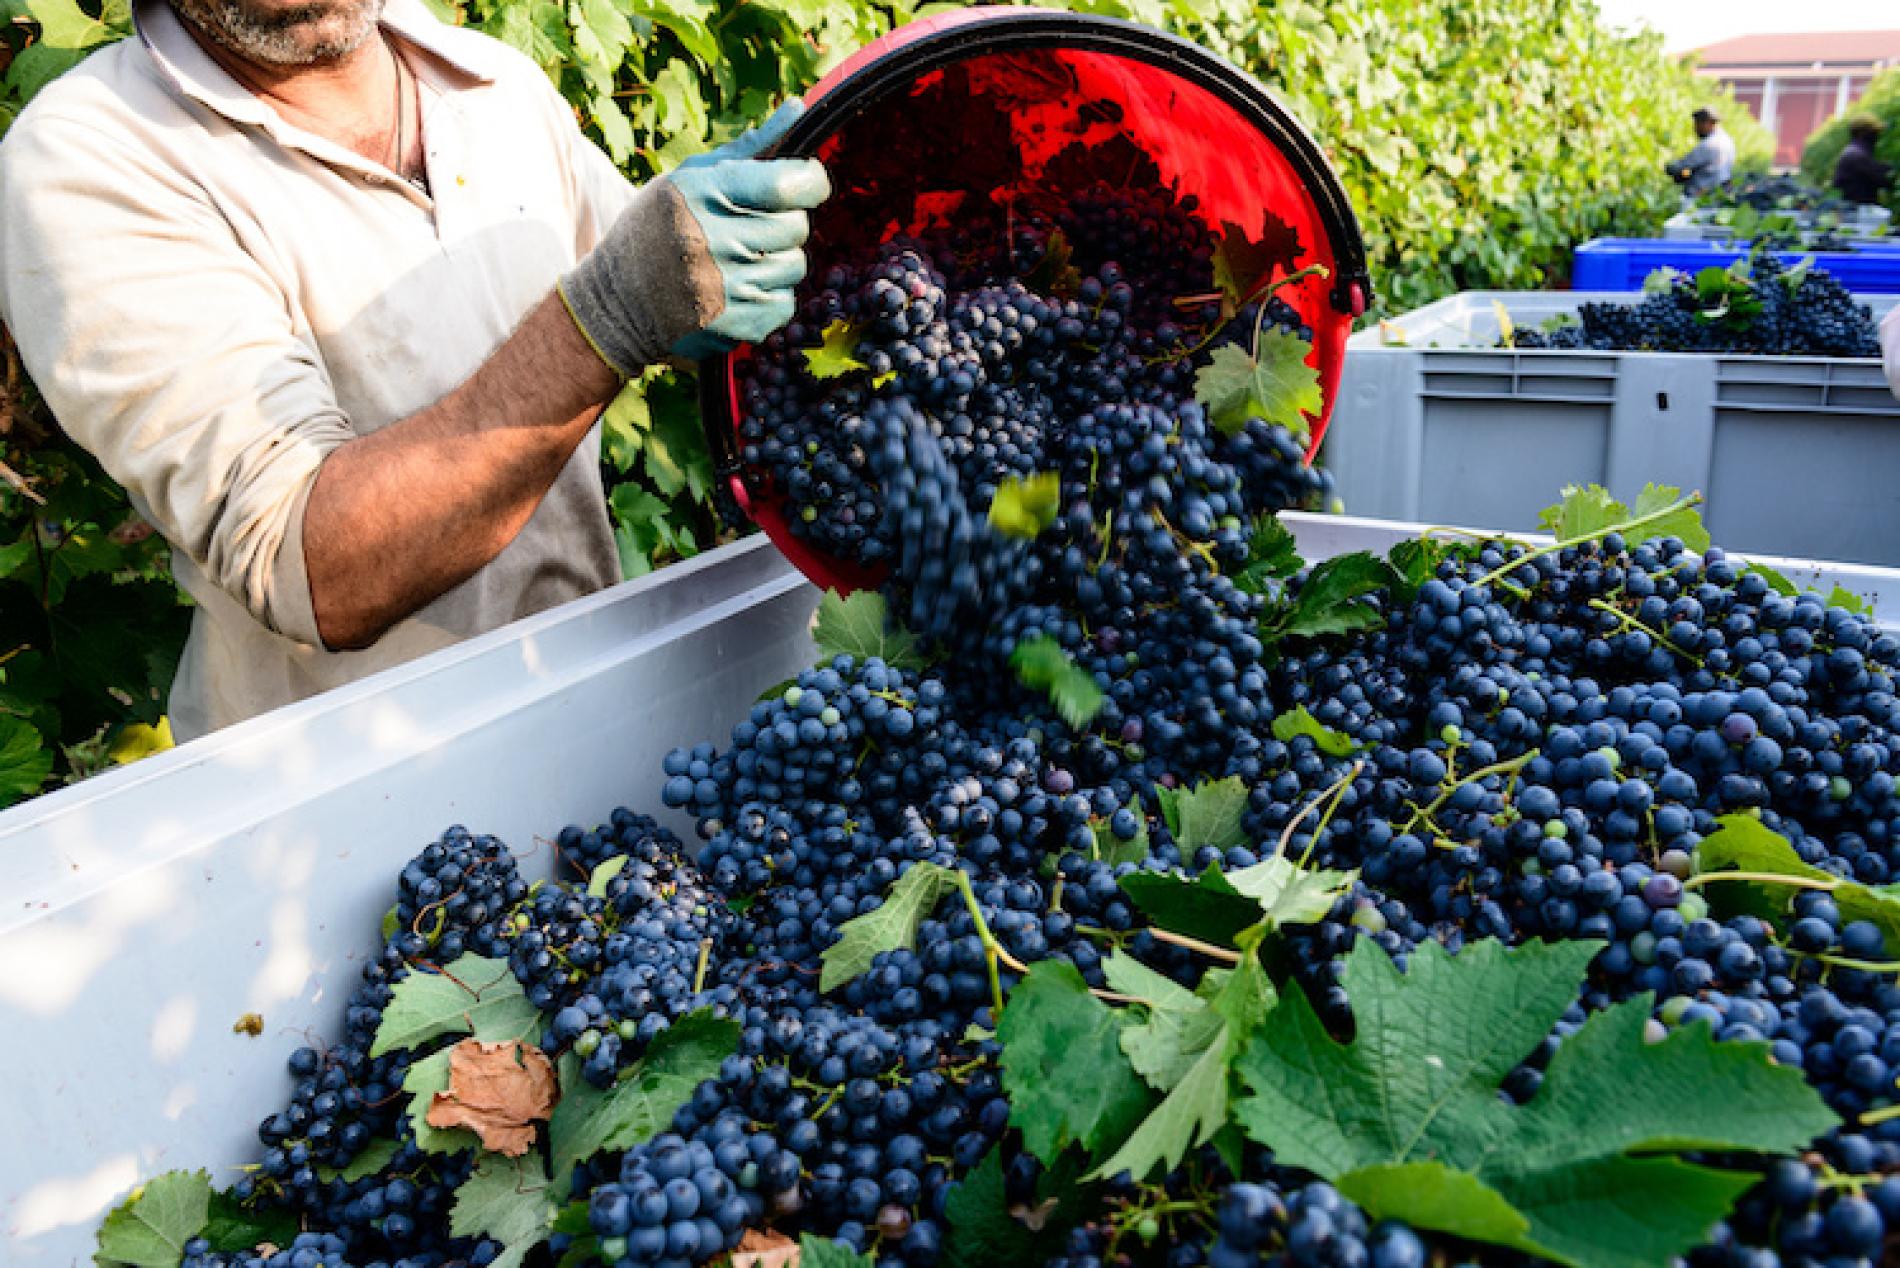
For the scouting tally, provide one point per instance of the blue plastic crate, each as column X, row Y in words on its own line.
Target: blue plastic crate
column 1621, row 264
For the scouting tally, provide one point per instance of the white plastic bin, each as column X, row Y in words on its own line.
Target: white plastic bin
column 149, row 909
column 1797, row 455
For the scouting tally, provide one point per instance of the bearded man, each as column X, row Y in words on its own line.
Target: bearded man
column 337, row 293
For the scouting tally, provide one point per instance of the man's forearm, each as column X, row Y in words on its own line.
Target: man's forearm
column 404, row 514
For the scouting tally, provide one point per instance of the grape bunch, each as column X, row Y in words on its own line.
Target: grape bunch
column 1765, row 309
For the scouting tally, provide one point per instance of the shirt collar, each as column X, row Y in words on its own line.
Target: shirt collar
column 196, row 74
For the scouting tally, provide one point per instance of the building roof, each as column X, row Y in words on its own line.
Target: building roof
column 1871, row 50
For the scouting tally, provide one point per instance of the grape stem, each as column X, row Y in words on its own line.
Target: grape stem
column 699, row 969
column 993, row 951
column 1195, row 944
column 1629, row 622
column 1338, row 794
column 1763, row 878
column 1682, row 503
column 1885, row 1113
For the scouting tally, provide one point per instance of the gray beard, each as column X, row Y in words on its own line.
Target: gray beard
column 291, row 38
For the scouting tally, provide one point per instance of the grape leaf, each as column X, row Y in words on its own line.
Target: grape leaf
column 1205, row 906
column 509, row 1200
column 1429, row 1194
column 25, row 759
column 860, row 626
column 376, row 1155
column 1777, row 581
column 985, row 1231
column 822, row 1252
column 424, row 1079
column 1197, row 1107
column 1114, row 851
column 473, row 996
column 888, row 927
column 642, row 1103
column 1332, row 600
column 1289, row 894
column 1414, row 562
column 1742, row 842
column 1243, row 265
column 1124, row 973
column 1023, row 508
column 1685, row 523
column 1272, row 555
column 1055, row 273
column 1273, row 384
column 1418, row 1083
column 1841, row 597
column 837, row 355
column 1207, row 814
column 1586, row 511
column 150, row 1228
column 1302, row 722
column 1042, row 665
column 1051, row 1028
column 603, row 876
column 232, row 1227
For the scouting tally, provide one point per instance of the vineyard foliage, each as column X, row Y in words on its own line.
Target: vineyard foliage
column 1479, row 139
column 1882, row 102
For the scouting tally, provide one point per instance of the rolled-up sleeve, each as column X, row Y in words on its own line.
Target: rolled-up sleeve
column 1890, row 348
column 170, row 354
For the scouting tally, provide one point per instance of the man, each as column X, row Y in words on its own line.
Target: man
column 1712, row 160
column 289, row 269
column 1858, row 175
column 1890, row 348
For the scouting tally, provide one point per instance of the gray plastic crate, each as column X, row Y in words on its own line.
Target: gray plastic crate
column 1796, row 455
column 246, row 872
column 1861, row 225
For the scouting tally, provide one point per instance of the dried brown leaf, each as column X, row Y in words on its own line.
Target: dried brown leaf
column 499, row 1091
column 762, row 1248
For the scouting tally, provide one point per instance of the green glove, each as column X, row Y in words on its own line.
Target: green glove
column 704, row 259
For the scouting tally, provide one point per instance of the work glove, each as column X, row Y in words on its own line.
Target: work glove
column 704, row 258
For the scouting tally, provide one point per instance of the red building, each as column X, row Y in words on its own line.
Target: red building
column 1795, row 83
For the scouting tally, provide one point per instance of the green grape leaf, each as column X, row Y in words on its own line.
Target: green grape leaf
column 232, row 1228
column 860, row 626
column 1042, row 665
column 63, row 24
column 822, row 1252
column 1051, row 1028
column 986, row 1231
column 1684, row 522
column 1413, row 563
column 1272, row 555
column 642, row 1103
column 888, row 927
column 1023, row 508
column 1333, row 599
column 1114, row 851
column 424, row 1079
column 1777, row 581
column 837, row 355
column 1590, row 1164
column 572, row 1219
column 1289, row 894
column 1207, row 814
column 473, row 996
column 1055, row 274
column 1302, row 722
column 25, row 760
column 1275, row 384
column 603, row 876
column 150, row 1228
column 1129, row 976
column 1205, row 906
column 509, row 1200
column 1586, row 511
column 1743, row 843
column 376, row 1155
column 1197, row 1106
column 1841, row 597
column 1429, row 1194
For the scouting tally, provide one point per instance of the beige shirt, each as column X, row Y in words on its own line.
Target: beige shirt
column 211, row 300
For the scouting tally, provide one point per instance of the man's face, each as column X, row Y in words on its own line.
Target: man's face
column 1704, row 126
column 285, row 32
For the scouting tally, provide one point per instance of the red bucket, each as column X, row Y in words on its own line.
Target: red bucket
column 990, row 103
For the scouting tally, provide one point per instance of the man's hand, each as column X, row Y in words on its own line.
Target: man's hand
column 706, row 258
